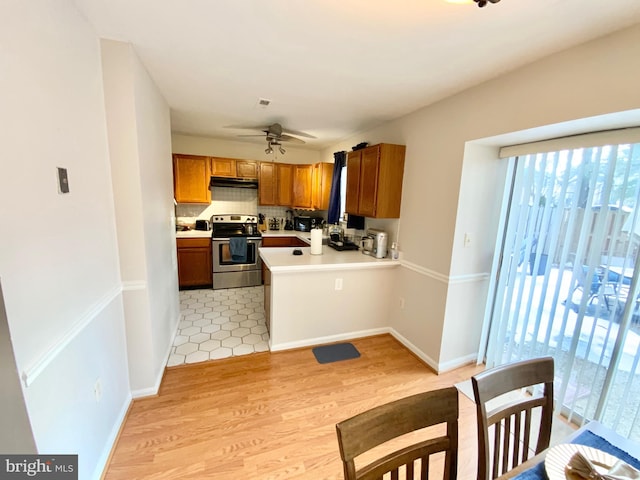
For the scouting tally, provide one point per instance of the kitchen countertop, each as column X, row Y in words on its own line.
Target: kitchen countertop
column 306, row 236
column 281, row 259
column 194, row 234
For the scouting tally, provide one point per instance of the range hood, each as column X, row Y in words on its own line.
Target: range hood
column 232, row 182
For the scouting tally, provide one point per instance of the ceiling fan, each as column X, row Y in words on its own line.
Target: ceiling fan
column 276, row 133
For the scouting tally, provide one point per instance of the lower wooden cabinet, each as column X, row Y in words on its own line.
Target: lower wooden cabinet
column 283, row 242
column 194, row 262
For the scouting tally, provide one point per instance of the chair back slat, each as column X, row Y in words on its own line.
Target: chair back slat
column 381, row 424
column 511, row 422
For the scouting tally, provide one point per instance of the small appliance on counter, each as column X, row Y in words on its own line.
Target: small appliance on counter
column 288, row 224
column 374, row 243
column 203, row 225
column 337, row 240
column 302, row 223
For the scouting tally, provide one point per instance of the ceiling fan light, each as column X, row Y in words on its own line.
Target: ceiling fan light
column 282, row 150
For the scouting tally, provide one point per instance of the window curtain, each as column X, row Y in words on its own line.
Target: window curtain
column 340, row 160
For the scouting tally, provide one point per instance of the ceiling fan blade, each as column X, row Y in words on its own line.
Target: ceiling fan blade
column 288, row 138
column 297, row 133
column 260, row 128
column 250, row 136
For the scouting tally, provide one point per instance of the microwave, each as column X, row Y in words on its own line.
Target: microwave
column 303, row 224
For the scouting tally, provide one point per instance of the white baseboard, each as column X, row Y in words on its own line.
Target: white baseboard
column 458, row 362
column 328, row 339
column 415, row 350
column 101, row 464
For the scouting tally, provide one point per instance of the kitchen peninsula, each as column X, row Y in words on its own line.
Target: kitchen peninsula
column 316, row 299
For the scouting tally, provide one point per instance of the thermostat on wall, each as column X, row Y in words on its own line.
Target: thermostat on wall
column 63, row 180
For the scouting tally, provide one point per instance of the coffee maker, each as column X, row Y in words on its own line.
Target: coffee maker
column 374, row 243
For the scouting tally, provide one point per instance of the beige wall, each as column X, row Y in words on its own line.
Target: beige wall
column 453, row 181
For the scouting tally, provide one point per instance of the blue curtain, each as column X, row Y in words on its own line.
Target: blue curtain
column 340, row 160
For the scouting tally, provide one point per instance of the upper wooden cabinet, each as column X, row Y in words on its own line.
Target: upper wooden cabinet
column 374, row 181
column 284, row 184
column 223, row 167
column 275, row 184
column 267, row 187
column 231, row 167
column 191, row 179
column 302, row 186
column 246, row 169
column 322, row 177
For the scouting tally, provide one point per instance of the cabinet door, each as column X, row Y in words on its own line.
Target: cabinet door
column 267, row 193
column 353, row 181
column 369, row 168
column 284, row 184
column 223, row 167
column 194, row 262
column 191, row 179
column 246, row 169
column 322, row 176
column 302, row 188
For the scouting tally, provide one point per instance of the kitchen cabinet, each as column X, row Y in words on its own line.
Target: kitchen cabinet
column 275, row 185
column 191, row 179
column 231, row 167
column 267, row 186
column 374, row 181
column 194, row 262
column 322, row 177
column 246, row 169
column 284, row 184
column 283, row 242
column 223, row 167
column 302, row 186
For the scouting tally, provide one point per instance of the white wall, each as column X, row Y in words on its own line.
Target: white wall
column 442, row 193
column 58, row 253
column 216, row 147
column 308, row 310
column 140, row 147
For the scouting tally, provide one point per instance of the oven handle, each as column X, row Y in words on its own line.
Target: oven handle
column 226, row 239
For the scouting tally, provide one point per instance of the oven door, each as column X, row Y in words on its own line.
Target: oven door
column 223, row 261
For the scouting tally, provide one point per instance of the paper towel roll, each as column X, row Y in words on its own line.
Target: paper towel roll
column 316, row 241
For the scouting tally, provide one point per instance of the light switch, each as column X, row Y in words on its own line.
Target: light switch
column 467, row 240
column 63, row 181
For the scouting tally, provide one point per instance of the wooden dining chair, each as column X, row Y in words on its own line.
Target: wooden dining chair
column 361, row 433
column 507, row 428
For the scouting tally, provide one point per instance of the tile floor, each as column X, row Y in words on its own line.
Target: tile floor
column 219, row 324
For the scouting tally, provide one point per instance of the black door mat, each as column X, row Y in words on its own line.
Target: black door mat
column 335, row 353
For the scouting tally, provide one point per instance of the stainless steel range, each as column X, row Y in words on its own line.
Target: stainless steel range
column 235, row 240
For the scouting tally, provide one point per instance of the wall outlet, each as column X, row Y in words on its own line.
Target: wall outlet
column 338, row 284
column 401, row 303
column 97, row 389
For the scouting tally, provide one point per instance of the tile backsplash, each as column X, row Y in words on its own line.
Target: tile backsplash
column 227, row 201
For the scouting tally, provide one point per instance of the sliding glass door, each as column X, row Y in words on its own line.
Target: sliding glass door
column 566, row 285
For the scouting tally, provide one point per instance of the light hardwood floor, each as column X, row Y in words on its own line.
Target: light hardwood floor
column 272, row 415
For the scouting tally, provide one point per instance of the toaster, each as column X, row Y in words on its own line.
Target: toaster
column 203, row 225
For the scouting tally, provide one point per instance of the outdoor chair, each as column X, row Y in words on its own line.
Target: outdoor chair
column 361, row 433
column 512, row 421
column 595, row 287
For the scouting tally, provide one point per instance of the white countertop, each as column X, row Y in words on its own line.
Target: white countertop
column 281, row 259
column 194, row 234
column 306, row 236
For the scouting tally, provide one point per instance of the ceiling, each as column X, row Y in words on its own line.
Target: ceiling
column 333, row 68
